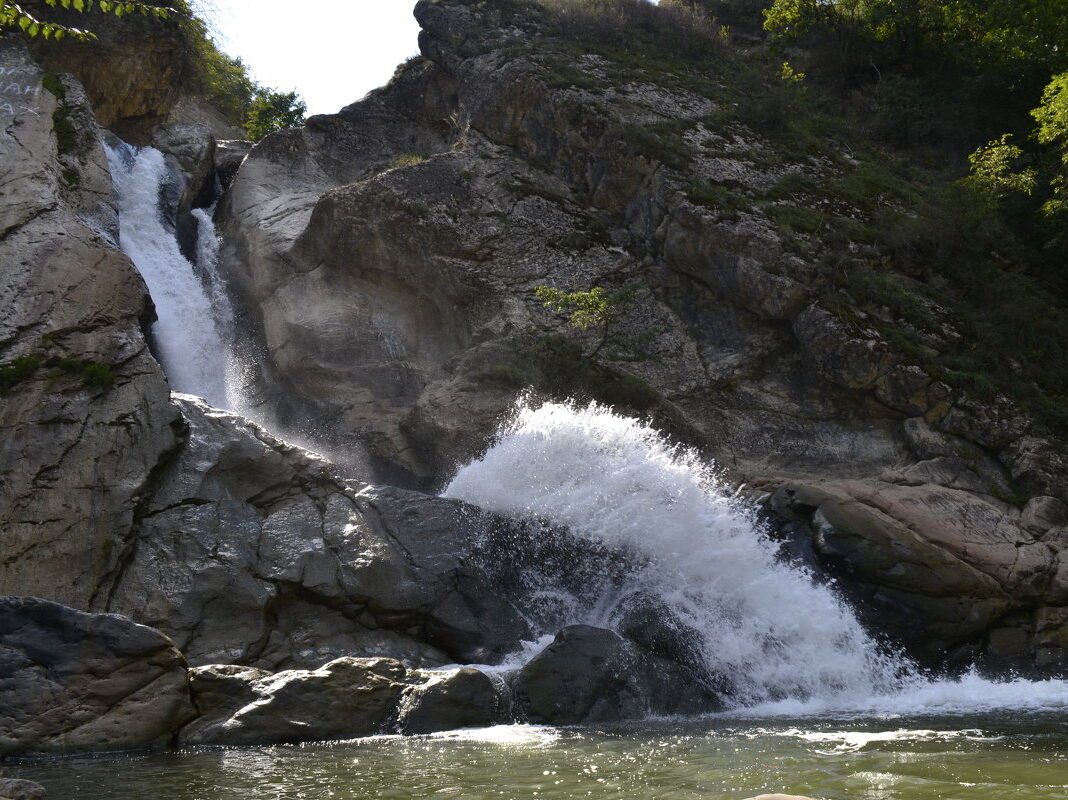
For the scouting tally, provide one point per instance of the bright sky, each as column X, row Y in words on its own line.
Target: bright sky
column 331, row 51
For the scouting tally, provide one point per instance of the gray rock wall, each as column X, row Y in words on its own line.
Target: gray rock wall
column 85, row 412
column 387, row 261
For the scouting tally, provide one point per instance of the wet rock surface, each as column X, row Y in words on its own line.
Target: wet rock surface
column 85, row 412
column 190, row 152
column 937, row 568
column 71, row 681
column 254, row 551
column 460, row 698
column 590, row 675
column 345, row 698
column 385, row 257
column 428, row 241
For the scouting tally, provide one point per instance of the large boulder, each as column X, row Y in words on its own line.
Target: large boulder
column 651, row 624
column 345, row 698
column 590, row 675
column 460, row 698
column 256, row 552
column 941, row 570
column 72, row 681
column 190, row 152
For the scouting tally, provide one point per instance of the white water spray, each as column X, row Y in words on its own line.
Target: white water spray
column 781, row 640
column 192, row 313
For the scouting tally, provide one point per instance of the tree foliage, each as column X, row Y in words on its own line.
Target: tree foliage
column 1052, row 115
column 1052, row 120
column 603, row 314
column 975, row 61
column 993, row 170
column 17, row 16
column 272, row 111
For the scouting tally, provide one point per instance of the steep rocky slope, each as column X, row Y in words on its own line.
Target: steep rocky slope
column 384, row 262
column 387, row 257
column 85, row 414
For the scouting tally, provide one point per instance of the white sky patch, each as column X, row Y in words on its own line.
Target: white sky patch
column 332, row 52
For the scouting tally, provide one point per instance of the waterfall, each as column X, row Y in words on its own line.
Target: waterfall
column 778, row 638
column 193, row 313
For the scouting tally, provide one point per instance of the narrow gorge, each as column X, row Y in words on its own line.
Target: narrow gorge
column 293, row 450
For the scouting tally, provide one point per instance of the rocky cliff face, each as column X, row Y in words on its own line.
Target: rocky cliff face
column 85, row 416
column 384, row 261
column 387, row 256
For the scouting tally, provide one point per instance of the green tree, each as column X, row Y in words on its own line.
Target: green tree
column 992, row 170
column 1052, row 119
column 272, row 111
column 16, row 16
column 602, row 313
column 1052, row 115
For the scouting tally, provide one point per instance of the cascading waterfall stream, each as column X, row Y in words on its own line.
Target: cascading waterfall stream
column 193, row 313
column 782, row 642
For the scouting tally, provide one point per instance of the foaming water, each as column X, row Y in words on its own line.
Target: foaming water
column 968, row 694
column 784, row 644
column 190, row 331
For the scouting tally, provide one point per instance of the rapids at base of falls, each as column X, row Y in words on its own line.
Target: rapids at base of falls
column 779, row 640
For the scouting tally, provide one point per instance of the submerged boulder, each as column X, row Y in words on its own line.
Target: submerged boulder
column 72, row 681
column 346, row 698
column 590, row 675
column 650, row 623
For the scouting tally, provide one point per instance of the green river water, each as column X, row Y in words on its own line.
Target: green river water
column 982, row 757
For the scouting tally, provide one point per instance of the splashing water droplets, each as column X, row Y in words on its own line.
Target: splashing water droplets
column 778, row 641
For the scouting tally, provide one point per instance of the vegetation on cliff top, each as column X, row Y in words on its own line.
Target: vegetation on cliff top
column 226, row 83
column 220, row 79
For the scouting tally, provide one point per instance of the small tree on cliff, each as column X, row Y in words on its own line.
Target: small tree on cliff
column 272, row 111
column 603, row 314
column 16, row 16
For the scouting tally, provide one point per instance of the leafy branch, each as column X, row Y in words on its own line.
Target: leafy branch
column 15, row 16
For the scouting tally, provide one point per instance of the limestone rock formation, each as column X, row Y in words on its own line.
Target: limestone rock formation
column 72, row 681
column 134, row 70
column 590, row 675
column 956, row 566
column 385, row 260
column 256, row 552
column 191, row 153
